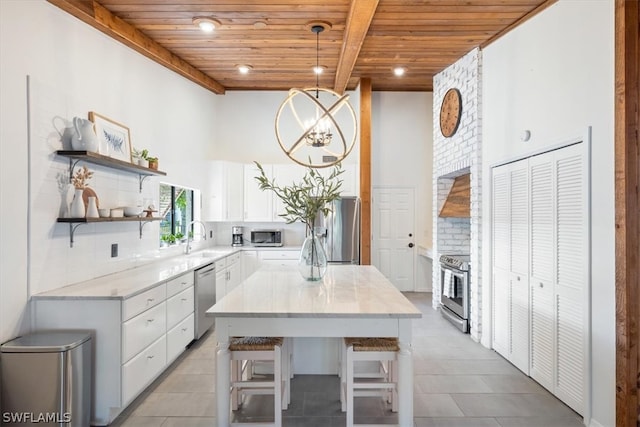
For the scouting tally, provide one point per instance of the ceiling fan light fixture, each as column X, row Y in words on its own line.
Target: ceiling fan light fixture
column 399, row 71
column 244, row 68
column 206, row 23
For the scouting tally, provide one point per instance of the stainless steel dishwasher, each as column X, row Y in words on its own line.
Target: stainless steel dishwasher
column 205, row 288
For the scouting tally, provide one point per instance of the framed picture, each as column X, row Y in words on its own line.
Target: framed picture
column 114, row 138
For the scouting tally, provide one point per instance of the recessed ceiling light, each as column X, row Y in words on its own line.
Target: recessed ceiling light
column 206, row 24
column 244, row 68
column 319, row 69
column 399, row 71
column 258, row 25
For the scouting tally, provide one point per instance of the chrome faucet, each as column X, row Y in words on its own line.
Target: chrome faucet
column 204, row 234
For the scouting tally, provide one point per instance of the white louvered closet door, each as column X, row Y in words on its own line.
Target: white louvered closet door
column 559, row 278
column 519, row 265
column 572, row 275
column 501, row 255
column 542, row 243
column 510, row 225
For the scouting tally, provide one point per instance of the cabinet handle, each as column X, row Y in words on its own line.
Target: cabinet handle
column 184, row 283
column 518, row 278
column 150, row 300
column 184, row 299
column 184, row 329
column 541, row 285
column 150, row 320
column 150, row 357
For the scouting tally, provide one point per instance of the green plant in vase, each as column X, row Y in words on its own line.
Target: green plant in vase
column 303, row 201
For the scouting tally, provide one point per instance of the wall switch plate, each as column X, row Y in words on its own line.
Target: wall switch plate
column 114, row 250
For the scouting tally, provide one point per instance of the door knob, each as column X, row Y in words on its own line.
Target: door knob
column 410, row 245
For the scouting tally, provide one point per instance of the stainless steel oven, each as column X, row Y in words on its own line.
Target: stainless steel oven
column 454, row 289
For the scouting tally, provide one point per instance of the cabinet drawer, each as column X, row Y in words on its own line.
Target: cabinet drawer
column 178, row 337
column 280, row 254
column 144, row 301
column 232, row 259
column 142, row 369
column 221, row 264
column 142, row 330
column 179, row 284
column 179, row 306
column 280, row 262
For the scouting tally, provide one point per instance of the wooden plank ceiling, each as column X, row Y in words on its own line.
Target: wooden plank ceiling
column 367, row 38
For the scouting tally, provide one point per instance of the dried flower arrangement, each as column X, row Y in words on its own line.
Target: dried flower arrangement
column 80, row 178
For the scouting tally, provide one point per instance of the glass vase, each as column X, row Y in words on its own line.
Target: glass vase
column 313, row 259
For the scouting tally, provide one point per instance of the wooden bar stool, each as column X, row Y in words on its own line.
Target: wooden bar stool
column 358, row 384
column 244, row 351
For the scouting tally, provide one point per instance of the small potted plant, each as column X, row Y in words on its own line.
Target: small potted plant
column 142, row 157
column 153, row 162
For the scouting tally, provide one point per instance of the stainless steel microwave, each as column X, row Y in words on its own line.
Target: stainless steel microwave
column 266, row 237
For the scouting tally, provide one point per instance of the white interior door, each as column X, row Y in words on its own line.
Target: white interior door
column 393, row 246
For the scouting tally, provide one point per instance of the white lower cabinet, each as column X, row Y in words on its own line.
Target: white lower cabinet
column 179, row 337
column 142, row 330
column 228, row 274
column 279, row 257
column 134, row 338
column 142, row 369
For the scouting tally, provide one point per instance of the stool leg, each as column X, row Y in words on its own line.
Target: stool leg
column 234, row 378
column 343, row 376
column 394, row 391
column 349, row 383
column 277, row 386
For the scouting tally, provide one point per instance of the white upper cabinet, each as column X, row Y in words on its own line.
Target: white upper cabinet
column 224, row 202
column 285, row 174
column 258, row 204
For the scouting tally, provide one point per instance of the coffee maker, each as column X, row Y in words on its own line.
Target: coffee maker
column 236, row 236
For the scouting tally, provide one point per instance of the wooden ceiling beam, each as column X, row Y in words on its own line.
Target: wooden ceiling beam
column 358, row 22
column 94, row 14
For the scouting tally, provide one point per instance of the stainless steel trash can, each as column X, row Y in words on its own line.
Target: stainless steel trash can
column 46, row 379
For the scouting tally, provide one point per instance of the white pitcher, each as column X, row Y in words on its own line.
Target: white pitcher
column 84, row 137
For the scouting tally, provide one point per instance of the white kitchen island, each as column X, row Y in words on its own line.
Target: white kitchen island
column 351, row 301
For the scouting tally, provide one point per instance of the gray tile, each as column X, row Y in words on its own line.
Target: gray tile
column 189, row 422
column 511, row 405
column 196, row 366
column 177, row 382
column 313, row 422
column 457, row 422
column 435, row 405
column 450, row 384
column 574, row 421
column 177, row 404
column 512, row 384
column 143, row 422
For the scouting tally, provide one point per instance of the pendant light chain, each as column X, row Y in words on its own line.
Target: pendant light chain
column 318, row 30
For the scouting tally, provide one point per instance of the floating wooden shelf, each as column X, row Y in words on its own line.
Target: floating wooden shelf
column 99, row 159
column 122, row 219
column 74, row 223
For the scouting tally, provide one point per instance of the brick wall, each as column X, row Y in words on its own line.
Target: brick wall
column 452, row 157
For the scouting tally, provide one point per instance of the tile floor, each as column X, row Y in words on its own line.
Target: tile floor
column 457, row 383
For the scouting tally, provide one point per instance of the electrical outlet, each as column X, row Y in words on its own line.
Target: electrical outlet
column 114, row 250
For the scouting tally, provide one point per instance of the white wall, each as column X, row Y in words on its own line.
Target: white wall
column 554, row 76
column 75, row 69
column 402, row 156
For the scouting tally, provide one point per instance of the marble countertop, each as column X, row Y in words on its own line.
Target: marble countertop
column 345, row 291
column 128, row 283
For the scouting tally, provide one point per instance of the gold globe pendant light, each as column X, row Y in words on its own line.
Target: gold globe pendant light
column 316, row 127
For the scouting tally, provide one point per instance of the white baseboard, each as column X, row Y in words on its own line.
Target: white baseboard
column 594, row 423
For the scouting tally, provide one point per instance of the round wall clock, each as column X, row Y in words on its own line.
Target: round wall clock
column 450, row 112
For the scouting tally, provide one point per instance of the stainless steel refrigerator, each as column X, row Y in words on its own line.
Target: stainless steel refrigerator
column 341, row 228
